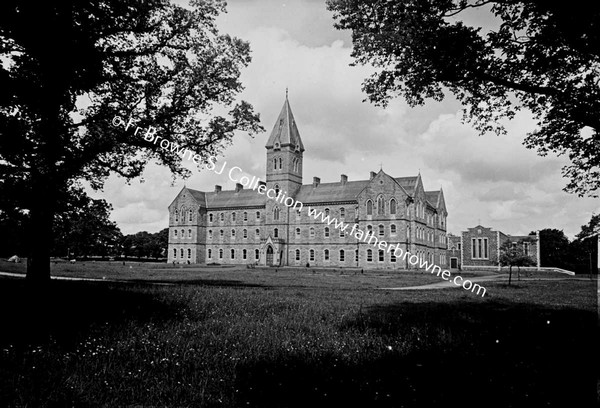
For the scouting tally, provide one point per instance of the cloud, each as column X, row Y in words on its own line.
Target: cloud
column 489, row 178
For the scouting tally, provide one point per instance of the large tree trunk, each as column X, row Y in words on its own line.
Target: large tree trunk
column 40, row 237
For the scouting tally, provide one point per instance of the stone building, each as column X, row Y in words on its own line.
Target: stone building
column 479, row 247
column 242, row 226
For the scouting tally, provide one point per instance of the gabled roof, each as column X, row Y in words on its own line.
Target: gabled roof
column 285, row 132
column 433, row 198
column 408, row 183
column 326, row 192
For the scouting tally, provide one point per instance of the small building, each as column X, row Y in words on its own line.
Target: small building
column 479, row 248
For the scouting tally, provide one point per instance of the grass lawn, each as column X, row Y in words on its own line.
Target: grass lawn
column 222, row 337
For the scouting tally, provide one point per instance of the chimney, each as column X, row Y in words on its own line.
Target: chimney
column 344, row 179
column 316, row 181
column 373, row 174
column 217, row 188
column 238, row 187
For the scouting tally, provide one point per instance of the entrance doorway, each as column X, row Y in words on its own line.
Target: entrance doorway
column 269, row 255
column 453, row 263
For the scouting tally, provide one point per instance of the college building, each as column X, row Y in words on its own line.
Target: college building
column 241, row 226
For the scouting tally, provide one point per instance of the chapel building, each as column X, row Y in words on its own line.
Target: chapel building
column 241, row 226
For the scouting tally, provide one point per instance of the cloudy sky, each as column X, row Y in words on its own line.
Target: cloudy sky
column 492, row 180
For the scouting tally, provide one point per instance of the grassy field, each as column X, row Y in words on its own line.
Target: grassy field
column 221, row 337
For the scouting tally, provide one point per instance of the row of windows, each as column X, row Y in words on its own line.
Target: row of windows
column 182, row 233
column 392, row 206
column 278, row 164
column 183, row 212
column 479, row 248
column 209, row 254
column 182, row 253
column 233, row 216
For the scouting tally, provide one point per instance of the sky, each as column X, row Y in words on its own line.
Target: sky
column 489, row 180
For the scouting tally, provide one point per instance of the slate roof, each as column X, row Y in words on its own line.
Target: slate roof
column 326, row 192
column 408, row 183
column 432, row 197
column 285, row 130
column 229, row 198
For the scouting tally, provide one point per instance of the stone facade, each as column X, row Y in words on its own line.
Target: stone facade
column 480, row 247
column 242, row 226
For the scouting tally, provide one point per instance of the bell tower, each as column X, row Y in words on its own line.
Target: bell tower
column 284, row 153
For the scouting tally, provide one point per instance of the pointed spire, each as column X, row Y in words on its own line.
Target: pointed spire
column 285, row 132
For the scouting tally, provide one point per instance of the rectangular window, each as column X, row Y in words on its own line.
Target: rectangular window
column 479, row 248
column 369, row 256
column 381, row 256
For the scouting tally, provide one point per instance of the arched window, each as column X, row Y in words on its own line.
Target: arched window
column 342, row 213
column 369, row 230
column 326, row 211
column 297, row 254
column 176, row 216
column 181, row 252
column 276, row 233
column 392, row 206
column 312, row 254
column 393, row 229
column 369, row 207
column 232, row 233
column 191, row 215
column 381, row 230
column 245, row 216
column 276, row 189
column 256, row 254
column 209, row 251
column 380, row 206
column 297, row 232
column 342, row 255
column 369, row 255
column 189, row 253
column 312, row 232
column 233, row 254
column 275, row 163
column 175, row 233
column 182, row 233
column 276, row 213
column 221, row 233
column 221, row 217
column 381, row 256
column 189, row 233
column 392, row 257
column 220, row 254
column 326, row 232
column 342, row 233
column 210, row 217
column 258, row 215
column 326, row 255
column 356, row 255
column 257, row 233
column 245, row 232
column 210, row 234
column 244, row 254
column 280, row 163
column 233, row 216
column 174, row 253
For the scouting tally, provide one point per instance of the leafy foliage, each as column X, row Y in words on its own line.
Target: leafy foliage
column 85, row 63
column 543, row 56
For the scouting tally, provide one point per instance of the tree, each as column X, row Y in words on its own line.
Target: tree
column 513, row 254
column 554, row 248
column 85, row 229
column 543, row 56
column 166, row 68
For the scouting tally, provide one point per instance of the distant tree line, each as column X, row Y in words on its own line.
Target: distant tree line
column 82, row 230
column 579, row 255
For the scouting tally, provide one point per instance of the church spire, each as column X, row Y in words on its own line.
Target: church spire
column 285, row 132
